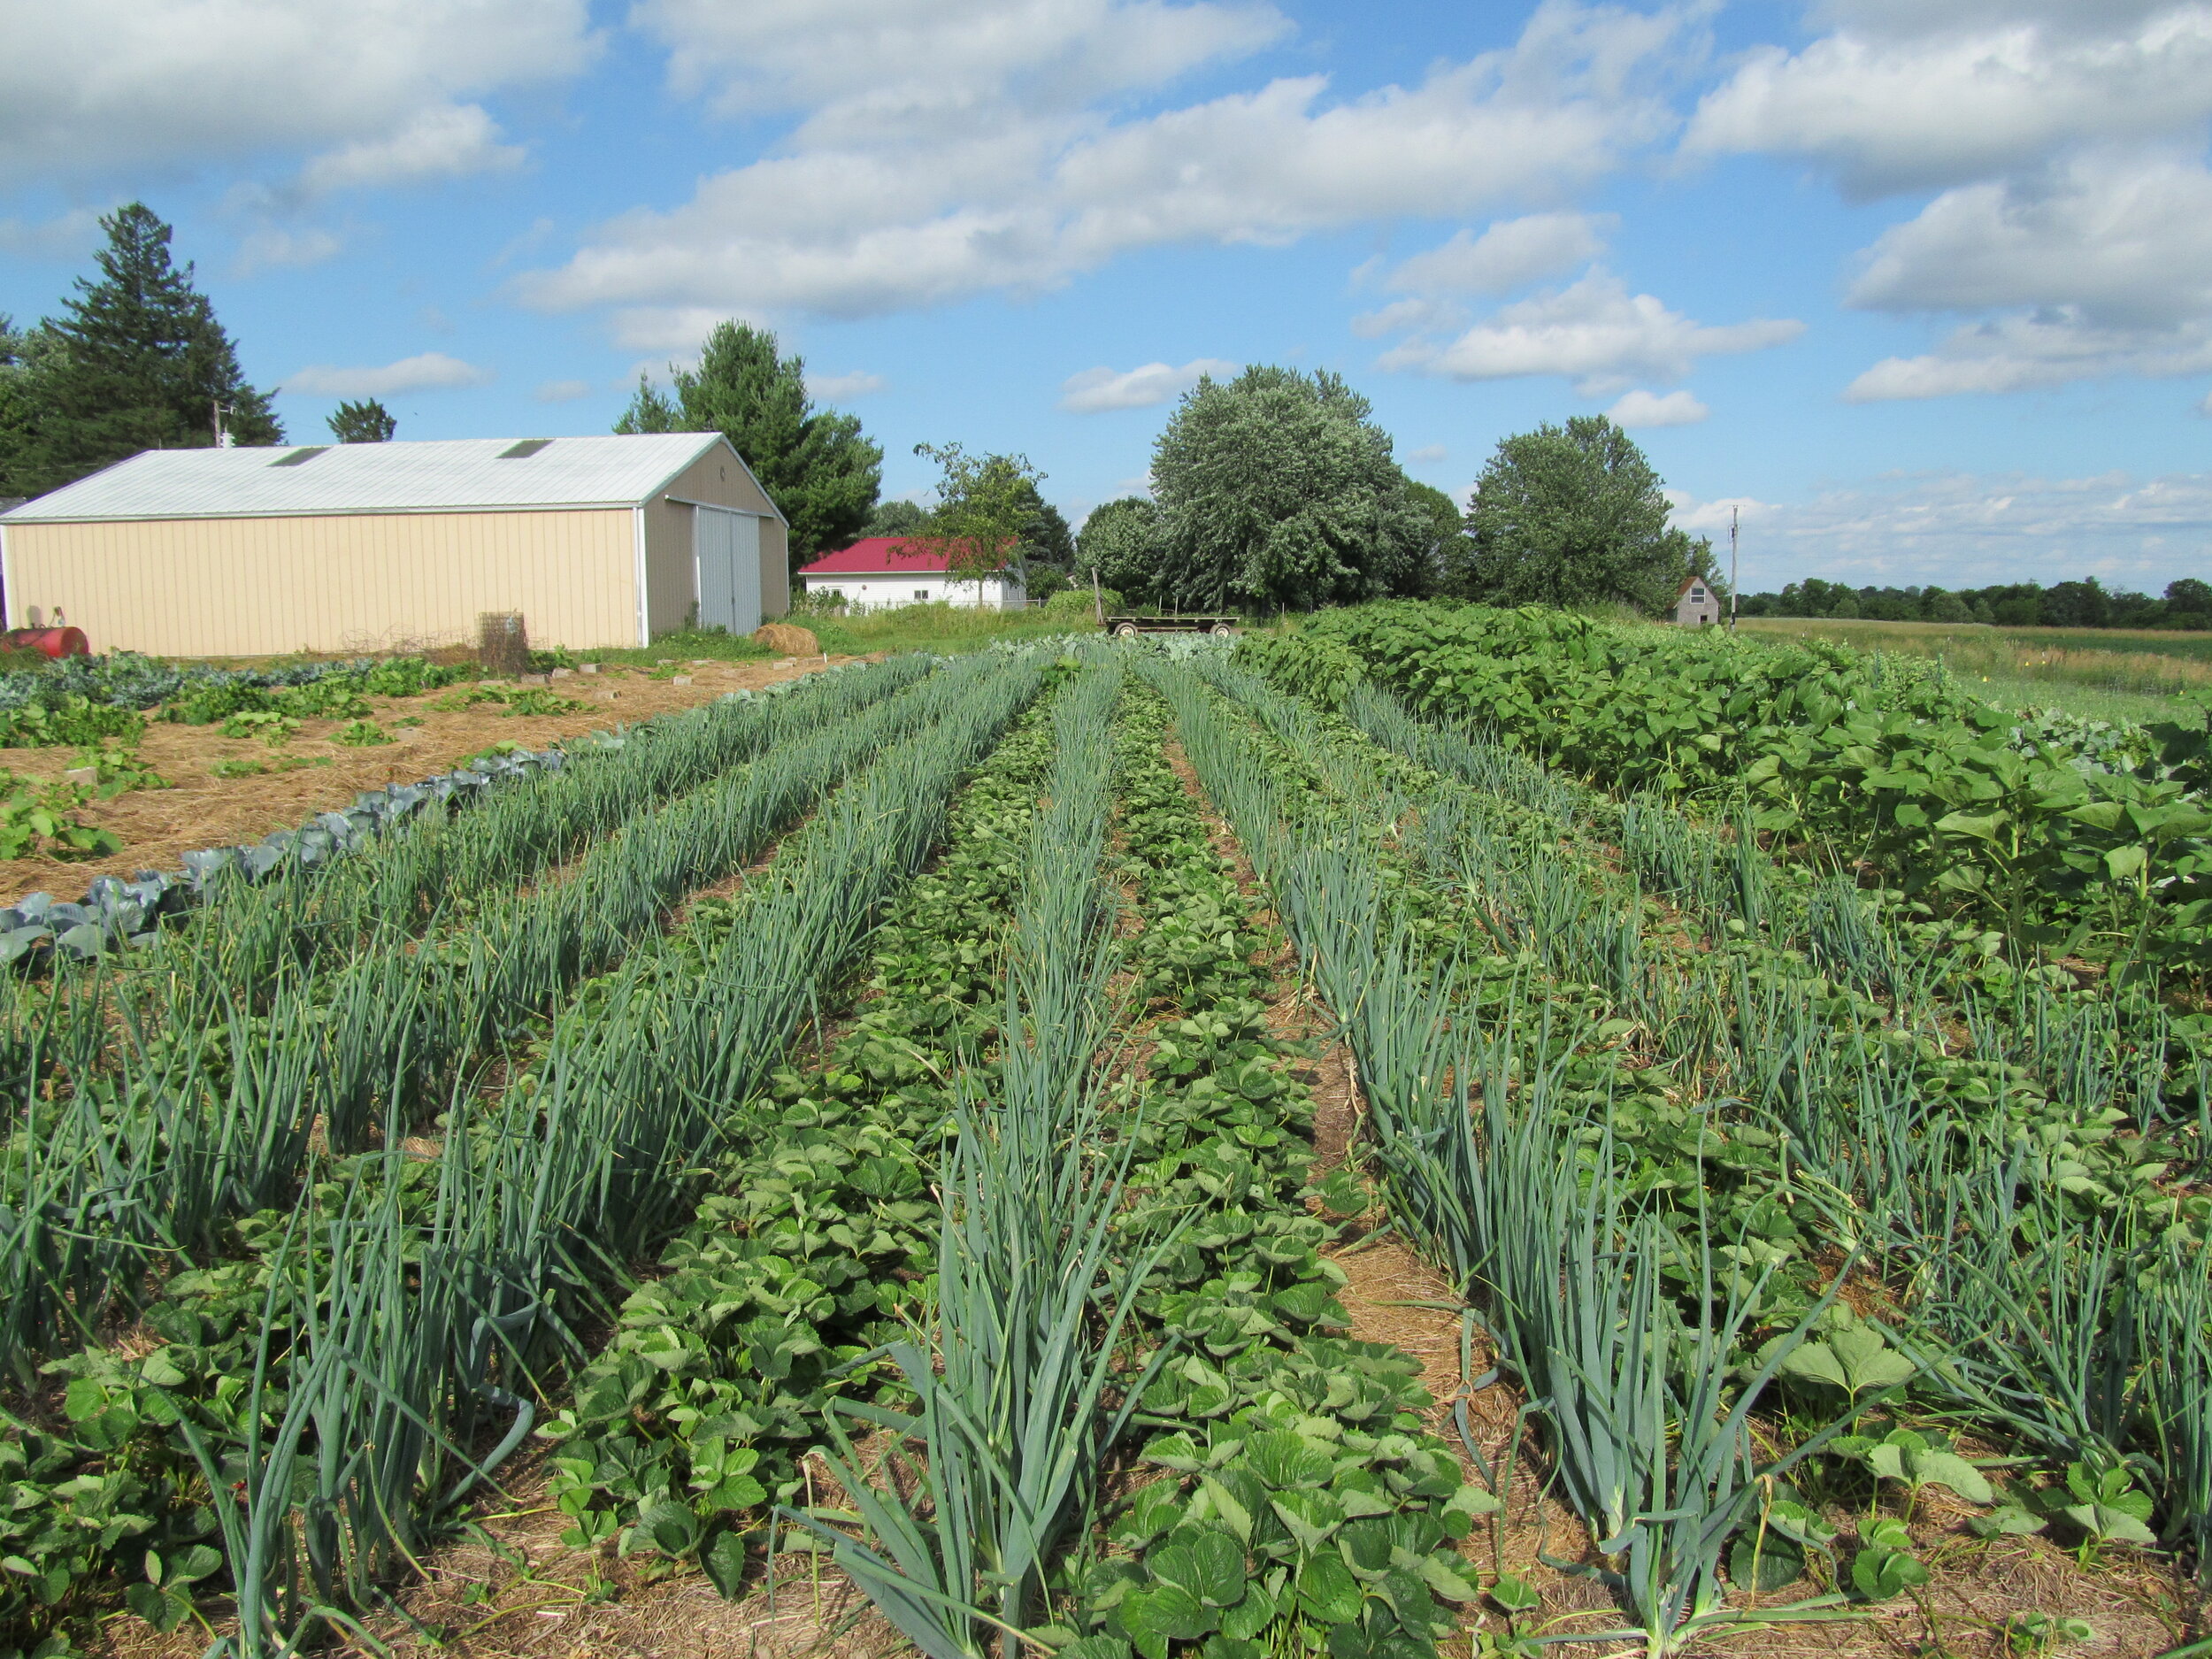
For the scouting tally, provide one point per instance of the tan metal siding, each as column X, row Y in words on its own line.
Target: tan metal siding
column 671, row 580
column 258, row 587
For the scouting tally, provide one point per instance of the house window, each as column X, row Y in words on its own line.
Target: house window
column 1698, row 593
column 921, row 592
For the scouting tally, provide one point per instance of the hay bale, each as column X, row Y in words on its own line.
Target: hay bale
column 787, row 639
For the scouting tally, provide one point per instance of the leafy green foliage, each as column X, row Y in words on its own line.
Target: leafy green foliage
column 1304, row 1487
column 1121, row 540
column 513, row 700
column 40, row 817
column 137, row 361
column 1276, row 492
column 337, row 691
column 270, row 727
column 367, row 421
column 1916, row 1460
column 985, row 505
column 1885, row 1566
column 819, row 1229
column 1574, row 515
column 1895, row 769
column 347, row 1302
column 74, row 721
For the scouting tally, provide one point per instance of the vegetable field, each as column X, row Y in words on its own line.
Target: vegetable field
column 875, row 1126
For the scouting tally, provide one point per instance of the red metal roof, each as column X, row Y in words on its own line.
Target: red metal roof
column 884, row 556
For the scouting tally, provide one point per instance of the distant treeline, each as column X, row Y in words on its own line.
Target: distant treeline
column 2083, row 604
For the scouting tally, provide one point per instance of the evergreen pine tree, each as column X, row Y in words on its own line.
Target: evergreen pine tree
column 650, row 410
column 367, row 421
column 814, row 463
column 23, row 357
column 140, row 362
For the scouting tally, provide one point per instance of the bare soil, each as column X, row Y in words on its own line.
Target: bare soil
column 158, row 827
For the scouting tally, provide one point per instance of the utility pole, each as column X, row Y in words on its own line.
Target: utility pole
column 1731, row 570
column 223, row 439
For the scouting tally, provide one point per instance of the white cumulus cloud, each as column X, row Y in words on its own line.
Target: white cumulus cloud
column 447, row 141
column 938, row 60
column 427, row 371
column 1096, row 390
column 562, row 391
column 989, row 145
column 2101, row 267
column 2126, row 239
column 1713, row 518
column 833, row 388
column 1960, row 529
column 274, row 247
column 2071, row 236
column 1903, row 97
column 2031, row 352
column 1428, row 453
column 381, row 88
column 64, row 236
column 1595, row 332
column 1640, row 408
column 1509, row 255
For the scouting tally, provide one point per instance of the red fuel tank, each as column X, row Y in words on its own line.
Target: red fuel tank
column 49, row 642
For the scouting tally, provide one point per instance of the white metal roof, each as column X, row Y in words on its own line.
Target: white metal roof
column 459, row 474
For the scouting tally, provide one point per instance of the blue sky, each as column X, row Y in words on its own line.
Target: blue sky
column 1924, row 290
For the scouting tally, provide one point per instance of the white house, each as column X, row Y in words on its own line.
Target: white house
column 882, row 572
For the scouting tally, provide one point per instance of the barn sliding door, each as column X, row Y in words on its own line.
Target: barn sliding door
column 726, row 550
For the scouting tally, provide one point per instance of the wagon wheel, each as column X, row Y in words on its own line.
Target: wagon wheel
column 1221, row 628
column 1127, row 631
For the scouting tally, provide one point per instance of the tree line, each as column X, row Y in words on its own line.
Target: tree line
column 1277, row 491
column 2086, row 604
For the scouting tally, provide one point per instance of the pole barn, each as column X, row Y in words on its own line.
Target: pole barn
column 597, row 541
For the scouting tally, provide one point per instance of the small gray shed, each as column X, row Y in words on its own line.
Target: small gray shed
column 1697, row 605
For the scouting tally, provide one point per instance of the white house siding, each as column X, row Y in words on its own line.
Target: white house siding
column 921, row 588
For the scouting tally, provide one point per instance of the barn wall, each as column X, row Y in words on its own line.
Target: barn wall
column 259, row 587
column 671, row 581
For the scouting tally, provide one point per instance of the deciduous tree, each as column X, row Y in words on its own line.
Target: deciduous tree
column 1121, row 540
column 1276, row 491
column 985, row 503
column 1575, row 515
column 1443, row 563
column 896, row 517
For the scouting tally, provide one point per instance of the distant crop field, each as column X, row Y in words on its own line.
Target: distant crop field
column 2143, row 662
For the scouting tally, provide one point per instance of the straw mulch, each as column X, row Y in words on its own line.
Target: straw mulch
column 159, row 826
